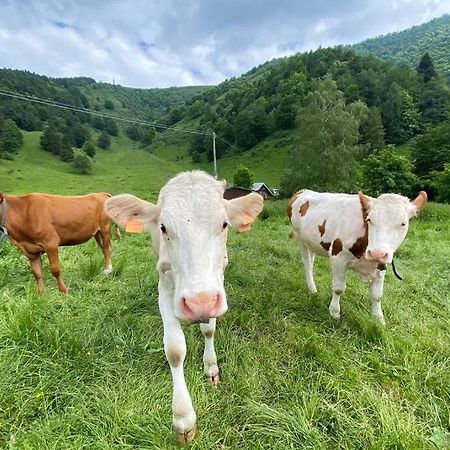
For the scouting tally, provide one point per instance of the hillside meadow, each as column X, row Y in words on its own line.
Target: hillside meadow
column 88, row 370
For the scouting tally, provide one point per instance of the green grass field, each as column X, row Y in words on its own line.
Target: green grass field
column 87, row 370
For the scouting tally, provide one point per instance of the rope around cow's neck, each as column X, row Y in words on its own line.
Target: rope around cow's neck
column 383, row 266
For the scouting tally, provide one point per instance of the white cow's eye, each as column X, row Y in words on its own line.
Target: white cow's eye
column 403, row 224
column 225, row 224
column 163, row 229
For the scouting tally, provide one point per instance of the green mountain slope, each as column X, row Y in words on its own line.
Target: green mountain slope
column 408, row 46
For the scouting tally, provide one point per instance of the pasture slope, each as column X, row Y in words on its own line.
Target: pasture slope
column 87, row 370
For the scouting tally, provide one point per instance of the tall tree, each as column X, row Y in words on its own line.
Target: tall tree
column 326, row 156
column 372, row 130
column 51, row 140
column 425, row 69
column 243, row 176
column 66, row 151
column 10, row 137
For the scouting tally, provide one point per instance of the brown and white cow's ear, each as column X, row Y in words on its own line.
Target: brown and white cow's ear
column 243, row 211
column 366, row 203
column 418, row 203
column 132, row 213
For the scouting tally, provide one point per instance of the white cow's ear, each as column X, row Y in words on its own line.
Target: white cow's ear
column 366, row 202
column 417, row 204
column 132, row 213
column 243, row 211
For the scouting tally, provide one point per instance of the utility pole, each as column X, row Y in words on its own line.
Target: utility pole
column 214, row 154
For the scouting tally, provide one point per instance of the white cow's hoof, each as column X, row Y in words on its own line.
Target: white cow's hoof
column 213, row 380
column 186, row 437
column 107, row 271
column 312, row 288
column 335, row 313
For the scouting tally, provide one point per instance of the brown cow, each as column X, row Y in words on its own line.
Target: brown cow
column 40, row 223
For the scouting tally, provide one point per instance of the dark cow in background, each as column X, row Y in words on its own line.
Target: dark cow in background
column 41, row 223
column 356, row 231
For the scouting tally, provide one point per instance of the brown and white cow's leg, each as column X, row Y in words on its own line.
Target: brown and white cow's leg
column 184, row 418
column 210, row 366
column 308, row 263
column 53, row 258
column 103, row 238
column 36, row 269
column 339, row 269
column 376, row 292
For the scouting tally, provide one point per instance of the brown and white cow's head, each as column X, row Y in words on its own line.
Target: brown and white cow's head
column 387, row 219
column 189, row 228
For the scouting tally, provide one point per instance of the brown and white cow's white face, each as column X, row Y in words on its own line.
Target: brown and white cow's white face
column 189, row 228
column 387, row 219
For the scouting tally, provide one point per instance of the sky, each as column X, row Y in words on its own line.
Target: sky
column 149, row 43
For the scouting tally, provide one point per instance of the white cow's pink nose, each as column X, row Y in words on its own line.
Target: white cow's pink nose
column 377, row 255
column 201, row 306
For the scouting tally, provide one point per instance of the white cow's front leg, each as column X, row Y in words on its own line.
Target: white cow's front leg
column 211, row 368
column 184, row 418
column 339, row 270
column 376, row 292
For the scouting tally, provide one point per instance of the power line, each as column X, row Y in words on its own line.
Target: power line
column 80, row 109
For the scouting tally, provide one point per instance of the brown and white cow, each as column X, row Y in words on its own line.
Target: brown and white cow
column 41, row 223
column 189, row 227
column 356, row 231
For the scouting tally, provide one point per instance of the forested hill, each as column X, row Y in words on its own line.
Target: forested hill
column 148, row 104
column 408, row 46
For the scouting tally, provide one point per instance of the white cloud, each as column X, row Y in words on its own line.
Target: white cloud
column 149, row 43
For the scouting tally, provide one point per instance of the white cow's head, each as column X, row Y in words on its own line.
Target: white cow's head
column 387, row 219
column 189, row 228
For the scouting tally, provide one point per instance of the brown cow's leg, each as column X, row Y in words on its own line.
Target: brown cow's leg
column 36, row 269
column 53, row 259
column 103, row 238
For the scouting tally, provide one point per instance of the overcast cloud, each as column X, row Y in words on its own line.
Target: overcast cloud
column 150, row 43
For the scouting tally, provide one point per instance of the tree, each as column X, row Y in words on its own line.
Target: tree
column 89, row 149
column 387, row 171
column 66, row 151
column 372, row 130
column 80, row 135
column 134, row 132
column 109, row 104
column 10, row 137
column 286, row 112
column 243, row 177
column 425, row 69
column 196, row 157
column 442, row 183
column 51, row 140
column 326, row 156
column 110, row 126
column 81, row 162
column 148, row 135
column 98, row 123
column 104, row 141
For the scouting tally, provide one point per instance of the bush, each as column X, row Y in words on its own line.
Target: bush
column 243, row 177
column 104, row 141
column 441, row 181
column 82, row 163
column 89, row 149
column 387, row 171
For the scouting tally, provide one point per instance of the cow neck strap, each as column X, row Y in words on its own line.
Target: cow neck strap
column 3, row 230
column 395, row 272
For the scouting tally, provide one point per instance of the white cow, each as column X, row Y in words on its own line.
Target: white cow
column 356, row 231
column 189, row 227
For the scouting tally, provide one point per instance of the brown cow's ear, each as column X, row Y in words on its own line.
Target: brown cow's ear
column 132, row 213
column 418, row 203
column 1, row 198
column 243, row 211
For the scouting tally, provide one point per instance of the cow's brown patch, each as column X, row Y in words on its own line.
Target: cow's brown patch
column 359, row 247
column 174, row 356
column 291, row 202
column 209, row 334
column 303, row 208
column 322, row 228
column 325, row 245
column 337, row 247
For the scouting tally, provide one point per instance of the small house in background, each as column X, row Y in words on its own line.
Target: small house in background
column 237, row 191
column 263, row 190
